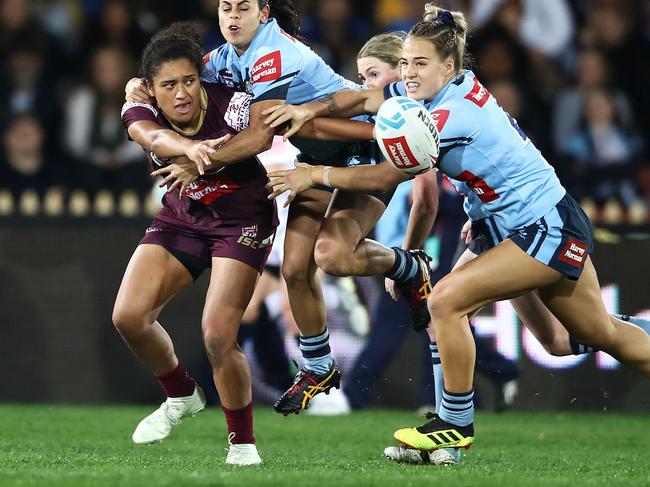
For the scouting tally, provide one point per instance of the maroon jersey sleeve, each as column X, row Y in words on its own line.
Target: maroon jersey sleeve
column 134, row 112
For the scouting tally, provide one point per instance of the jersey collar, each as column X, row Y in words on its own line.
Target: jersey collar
column 451, row 84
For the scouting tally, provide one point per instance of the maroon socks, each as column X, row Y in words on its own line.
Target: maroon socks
column 177, row 383
column 240, row 422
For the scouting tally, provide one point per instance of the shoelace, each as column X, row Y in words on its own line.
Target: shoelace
column 295, row 388
column 231, row 436
column 172, row 412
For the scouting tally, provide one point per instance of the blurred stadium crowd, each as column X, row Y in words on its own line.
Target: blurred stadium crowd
column 574, row 73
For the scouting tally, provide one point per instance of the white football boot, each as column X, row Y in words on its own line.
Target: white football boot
column 332, row 403
column 243, row 454
column 159, row 424
column 402, row 454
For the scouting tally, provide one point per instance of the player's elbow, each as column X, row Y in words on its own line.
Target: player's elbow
column 425, row 204
column 425, row 207
column 389, row 179
column 155, row 139
column 262, row 141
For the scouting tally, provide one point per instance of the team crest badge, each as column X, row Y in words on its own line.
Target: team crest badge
column 250, row 231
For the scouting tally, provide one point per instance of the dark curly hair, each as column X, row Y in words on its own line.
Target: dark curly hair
column 284, row 11
column 179, row 40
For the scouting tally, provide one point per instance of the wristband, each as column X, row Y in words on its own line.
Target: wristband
column 326, row 176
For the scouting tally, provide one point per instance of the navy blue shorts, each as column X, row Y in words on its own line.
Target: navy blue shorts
column 486, row 234
column 562, row 239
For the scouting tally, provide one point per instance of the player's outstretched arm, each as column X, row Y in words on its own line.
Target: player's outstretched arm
column 336, row 129
column 166, row 143
column 253, row 140
column 343, row 104
column 380, row 177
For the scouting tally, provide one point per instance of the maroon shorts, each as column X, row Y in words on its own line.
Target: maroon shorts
column 195, row 236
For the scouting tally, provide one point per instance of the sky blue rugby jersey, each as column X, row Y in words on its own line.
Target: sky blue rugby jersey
column 488, row 157
column 275, row 66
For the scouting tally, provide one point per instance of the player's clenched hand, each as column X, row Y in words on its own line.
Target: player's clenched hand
column 389, row 284
column 200, row 152
column 136, row 91
column 294, row 180
column 177, row 176
column 298, row 115
column 466, row 232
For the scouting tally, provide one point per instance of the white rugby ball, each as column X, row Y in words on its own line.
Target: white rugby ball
column 407, row 135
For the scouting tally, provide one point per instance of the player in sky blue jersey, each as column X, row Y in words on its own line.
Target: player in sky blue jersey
column 549, row 237
column 263, row 56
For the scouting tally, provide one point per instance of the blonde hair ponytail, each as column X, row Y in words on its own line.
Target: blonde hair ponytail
column 446, row 30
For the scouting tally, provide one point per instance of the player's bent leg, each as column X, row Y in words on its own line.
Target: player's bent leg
column 503, row 272
column 320, row 372
column 546, row 328
column 341, row 247
column 579, row 306
column 152, row 278
column 444, row 456
column 552, row 334
column 342, row 250
column 232, row 283
column 465, row 257
column 298, row 267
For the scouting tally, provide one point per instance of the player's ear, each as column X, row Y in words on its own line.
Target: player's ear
column 449, row 66
column 149, row 87
column 265, row 13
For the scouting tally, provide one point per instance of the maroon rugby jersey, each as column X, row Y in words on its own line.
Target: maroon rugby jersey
column 237, row 187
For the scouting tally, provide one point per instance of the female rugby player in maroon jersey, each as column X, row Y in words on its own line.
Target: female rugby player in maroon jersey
column 222, row 220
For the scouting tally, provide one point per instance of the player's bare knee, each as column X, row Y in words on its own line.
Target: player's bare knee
column 442, row 302
column 557, row 346
column 295, row 274
column 129, row 323
column 331, row 257
column 217, row 346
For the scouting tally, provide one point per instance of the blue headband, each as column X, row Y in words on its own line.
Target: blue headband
column 445, row 17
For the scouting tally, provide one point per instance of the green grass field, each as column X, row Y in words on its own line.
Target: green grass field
column 91, row 446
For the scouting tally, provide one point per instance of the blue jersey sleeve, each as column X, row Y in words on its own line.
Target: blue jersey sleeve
column 394, row 89
column 214, row 67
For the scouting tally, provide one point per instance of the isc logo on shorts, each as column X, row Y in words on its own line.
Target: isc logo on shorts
column 574, row 253
column 255, row 244
column 400, row 153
